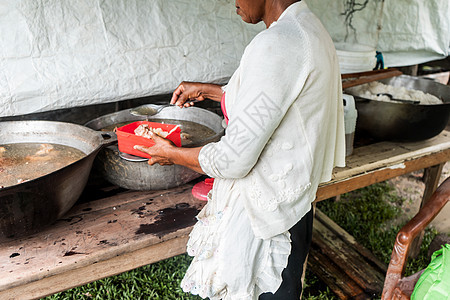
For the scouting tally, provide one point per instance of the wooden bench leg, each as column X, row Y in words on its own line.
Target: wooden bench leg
column 431, row 178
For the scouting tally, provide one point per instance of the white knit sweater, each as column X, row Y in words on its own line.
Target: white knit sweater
column 286, row 126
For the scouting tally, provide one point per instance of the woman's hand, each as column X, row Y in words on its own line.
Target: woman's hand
column 164, row 152
column 159, row 152
column 186, row 92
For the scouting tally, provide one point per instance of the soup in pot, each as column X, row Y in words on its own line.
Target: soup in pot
column 21, row 162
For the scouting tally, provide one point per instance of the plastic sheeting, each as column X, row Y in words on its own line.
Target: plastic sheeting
column 407, row 32
column 60, row 53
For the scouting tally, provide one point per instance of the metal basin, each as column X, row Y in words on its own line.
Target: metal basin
column 27, row 207
column 404, row 122
column 139, row 175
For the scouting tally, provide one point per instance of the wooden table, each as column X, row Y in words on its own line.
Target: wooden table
column 116, row 230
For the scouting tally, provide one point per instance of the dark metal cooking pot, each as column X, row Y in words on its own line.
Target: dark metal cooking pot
column 404, row 122
column 27, row 207
column 139, row 175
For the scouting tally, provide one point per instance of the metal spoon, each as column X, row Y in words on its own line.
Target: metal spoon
column 148, row 110
column 399, row 100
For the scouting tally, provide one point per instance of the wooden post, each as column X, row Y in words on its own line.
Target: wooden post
column 431, row 178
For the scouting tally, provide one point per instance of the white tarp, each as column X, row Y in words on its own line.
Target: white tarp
column 62, row 53
column 407, row 32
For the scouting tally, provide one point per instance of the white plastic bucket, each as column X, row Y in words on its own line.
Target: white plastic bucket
column 350, row 116
column 355, row 58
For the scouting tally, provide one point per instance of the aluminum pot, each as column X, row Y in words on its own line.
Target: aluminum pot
column 404, row 122
column 28, row 207
column 139, row 175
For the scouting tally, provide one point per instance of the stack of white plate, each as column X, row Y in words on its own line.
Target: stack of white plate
column 355, row 57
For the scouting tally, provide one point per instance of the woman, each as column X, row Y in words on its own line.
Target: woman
column 284, row 136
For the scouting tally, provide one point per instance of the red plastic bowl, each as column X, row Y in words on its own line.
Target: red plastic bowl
column 127, row 139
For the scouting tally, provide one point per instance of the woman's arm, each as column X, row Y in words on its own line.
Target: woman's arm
column 188, row 91
column 164, row 152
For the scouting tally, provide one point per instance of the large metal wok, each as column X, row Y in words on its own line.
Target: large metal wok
column 27, row 207
column 139, row 175
column 404, row 121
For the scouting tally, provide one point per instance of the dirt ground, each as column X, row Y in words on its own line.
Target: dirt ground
column 411, row 187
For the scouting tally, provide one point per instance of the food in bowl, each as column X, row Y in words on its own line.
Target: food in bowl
column 145, row 130
column 138, row 133
column 378, row 91
column 192, row 133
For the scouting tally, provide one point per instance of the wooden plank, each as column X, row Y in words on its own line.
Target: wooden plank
column 351, row 242
column 389, row 154
column 342, row 285
column 349, row 80
column 349, row 269
column 348, row 261
column 381, row 161
column 99, row 231
column 347, row 184
column 97, row 270
column 368, row 73
column 356, row 266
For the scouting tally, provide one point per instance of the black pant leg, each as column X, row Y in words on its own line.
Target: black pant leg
column 291, row 287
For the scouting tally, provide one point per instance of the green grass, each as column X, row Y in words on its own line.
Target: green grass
column 365, row 214
column 157, row 281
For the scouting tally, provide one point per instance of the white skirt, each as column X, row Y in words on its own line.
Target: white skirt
column 229, row 261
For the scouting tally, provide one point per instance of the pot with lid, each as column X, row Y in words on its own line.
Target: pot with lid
column 198, row 127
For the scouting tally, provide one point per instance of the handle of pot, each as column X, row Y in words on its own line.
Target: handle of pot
column 108, row 138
